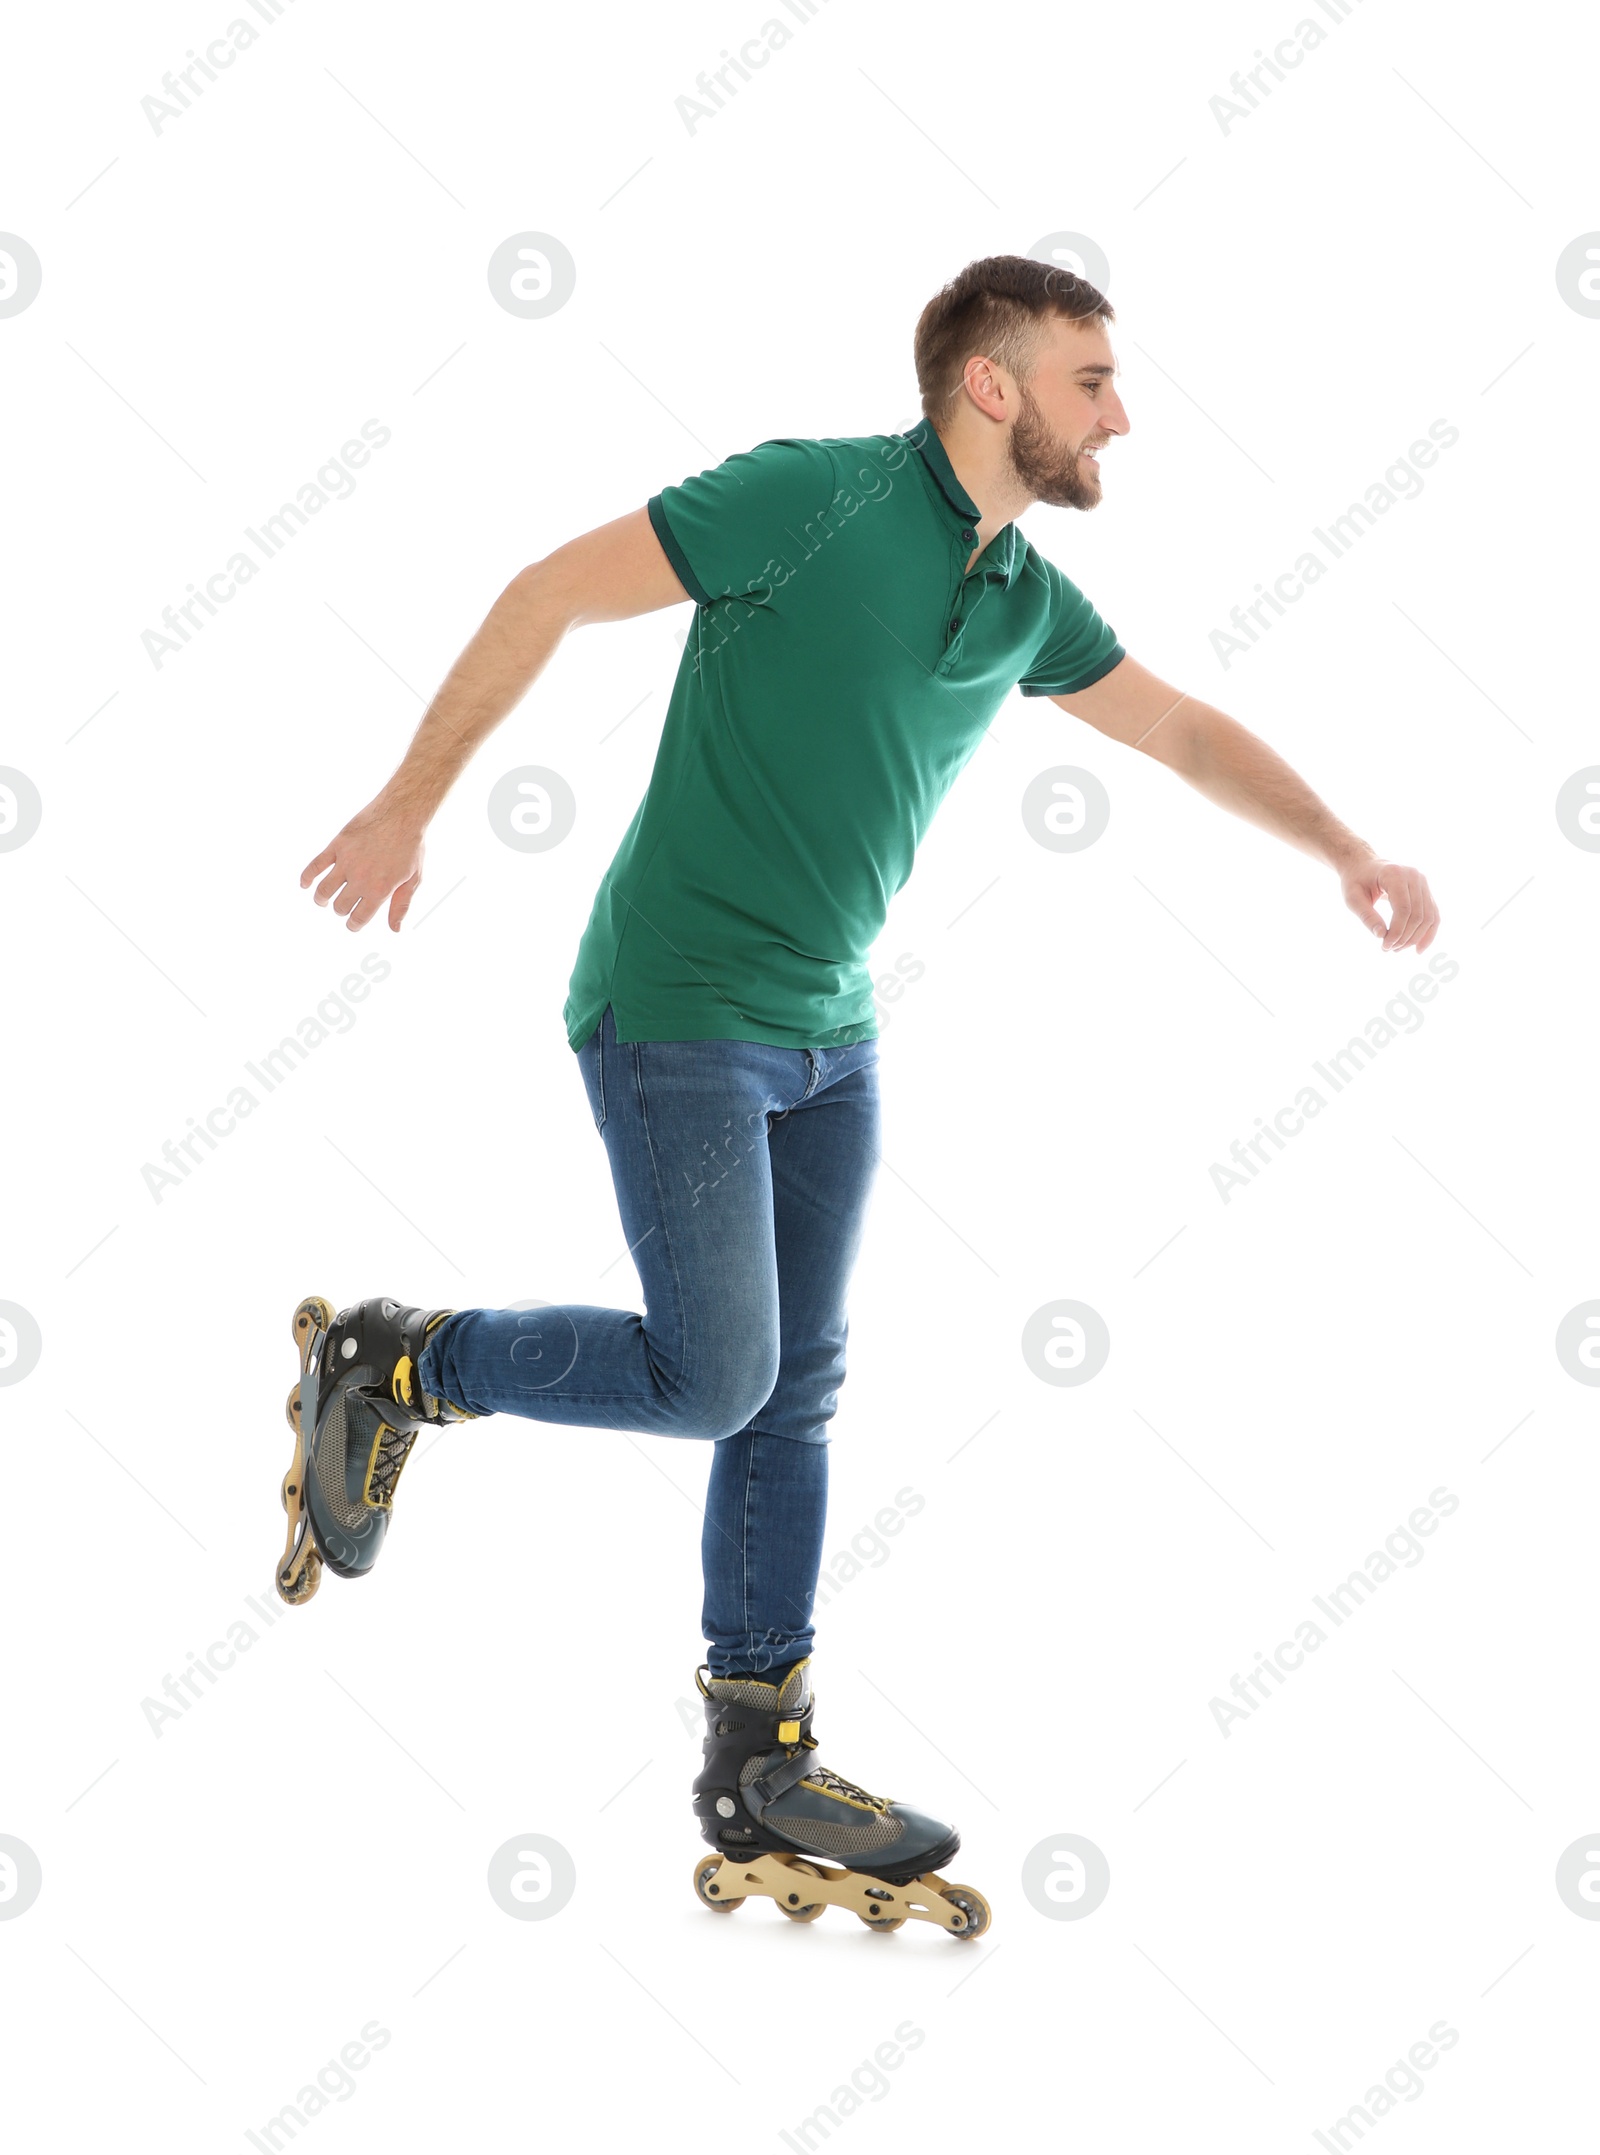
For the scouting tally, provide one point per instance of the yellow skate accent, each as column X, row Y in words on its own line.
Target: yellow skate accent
column 802, row 1889
column 704, row 1688
column 400, row 1383
column 400, row 1388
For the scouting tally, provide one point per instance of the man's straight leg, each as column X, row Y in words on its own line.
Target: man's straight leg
column 767, row 1499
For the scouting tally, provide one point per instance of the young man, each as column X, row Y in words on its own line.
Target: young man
column 863, row 607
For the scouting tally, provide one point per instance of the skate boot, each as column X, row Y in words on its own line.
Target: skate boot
column 355, row 1414
column 774, row 1814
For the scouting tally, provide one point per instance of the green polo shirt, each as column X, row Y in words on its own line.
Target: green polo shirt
column 841, row 667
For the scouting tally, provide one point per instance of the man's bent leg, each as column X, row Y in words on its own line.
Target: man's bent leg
column 684, row 1126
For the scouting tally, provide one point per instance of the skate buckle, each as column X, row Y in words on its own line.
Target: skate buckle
column 788, row 1732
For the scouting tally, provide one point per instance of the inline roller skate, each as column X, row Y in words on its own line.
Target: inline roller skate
column 787, row 1829
column 355, row 1413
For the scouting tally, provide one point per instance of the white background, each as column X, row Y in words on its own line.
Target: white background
column 1293, row 1905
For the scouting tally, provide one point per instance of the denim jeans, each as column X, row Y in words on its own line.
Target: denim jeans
column 742, row 1174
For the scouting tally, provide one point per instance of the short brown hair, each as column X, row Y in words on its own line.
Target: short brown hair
column 996, row 308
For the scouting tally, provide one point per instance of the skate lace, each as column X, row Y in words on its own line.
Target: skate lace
column 835, row 1784
column 393, row 1450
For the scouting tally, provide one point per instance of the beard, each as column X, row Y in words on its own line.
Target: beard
column 1044, row 464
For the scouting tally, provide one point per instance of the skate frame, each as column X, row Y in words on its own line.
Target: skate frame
column 299, row 1572
column 880, row 1905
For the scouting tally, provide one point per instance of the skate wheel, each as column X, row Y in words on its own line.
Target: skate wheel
column 291, row 1408
column 314, row 1314
column 705, row 1887
column 973, row 1906
column 302, row 1582
column 880, row 1896
column 790, row 1904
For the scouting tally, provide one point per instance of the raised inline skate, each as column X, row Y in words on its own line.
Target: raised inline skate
column 355, row 1413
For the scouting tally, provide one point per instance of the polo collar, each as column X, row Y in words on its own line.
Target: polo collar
column 1002, row 556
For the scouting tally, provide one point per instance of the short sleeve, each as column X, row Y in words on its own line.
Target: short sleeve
column 729, row 530
column 1078, row 647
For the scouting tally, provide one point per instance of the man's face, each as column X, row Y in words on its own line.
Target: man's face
column 1067, row 409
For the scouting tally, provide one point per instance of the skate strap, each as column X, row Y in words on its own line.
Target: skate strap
column 784, row 1774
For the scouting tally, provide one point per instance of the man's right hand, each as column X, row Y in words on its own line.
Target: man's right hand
column 377, row 855
column 609, row 574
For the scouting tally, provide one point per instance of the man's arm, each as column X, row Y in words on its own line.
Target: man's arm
column 609, row 574
column 1232, row 767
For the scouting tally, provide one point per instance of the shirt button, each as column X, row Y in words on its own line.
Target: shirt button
column 969, row 536
column 955, row 628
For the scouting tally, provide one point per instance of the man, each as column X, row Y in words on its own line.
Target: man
column 863, row 607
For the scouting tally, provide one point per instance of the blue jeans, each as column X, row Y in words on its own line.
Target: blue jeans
column 742, row 1174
